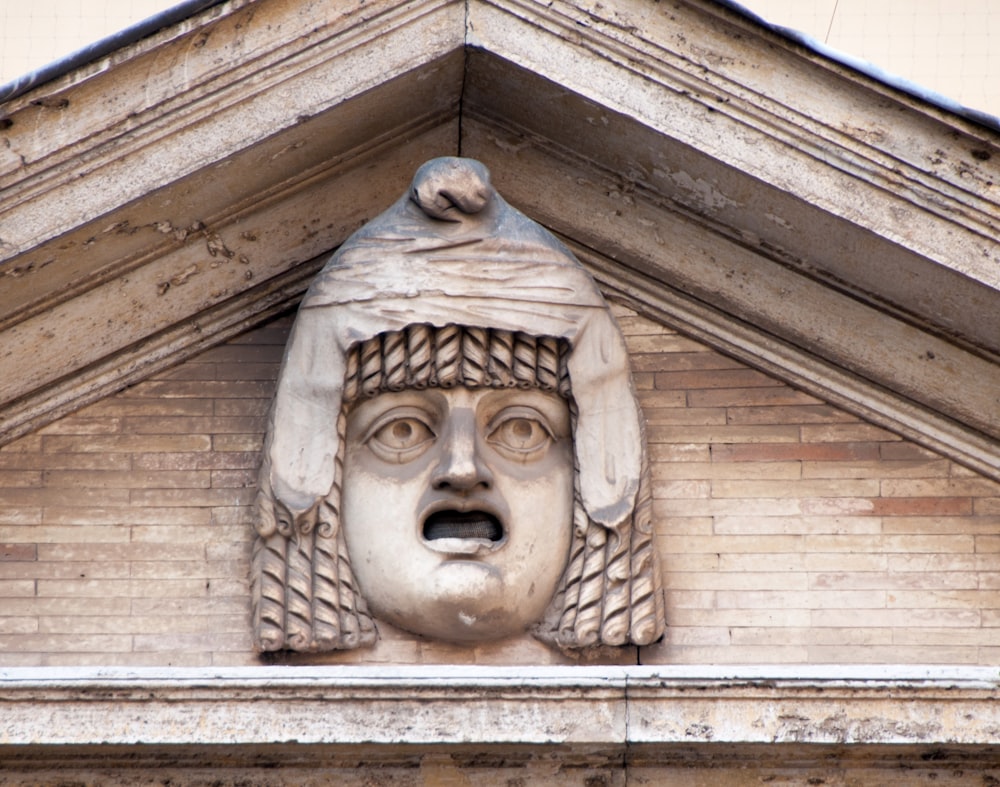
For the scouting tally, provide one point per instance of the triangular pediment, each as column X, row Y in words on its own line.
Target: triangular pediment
column 808, row 220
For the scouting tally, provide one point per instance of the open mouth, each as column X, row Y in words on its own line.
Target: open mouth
column 464, row 525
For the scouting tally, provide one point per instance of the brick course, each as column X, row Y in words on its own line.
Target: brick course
column 790, row 530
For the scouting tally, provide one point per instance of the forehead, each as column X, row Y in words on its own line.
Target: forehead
column 440, row 403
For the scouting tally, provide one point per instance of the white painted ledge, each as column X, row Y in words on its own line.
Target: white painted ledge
column 582, row 706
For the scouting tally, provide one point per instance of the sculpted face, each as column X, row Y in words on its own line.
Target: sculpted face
column 458, row 507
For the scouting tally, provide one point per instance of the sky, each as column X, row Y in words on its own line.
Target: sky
column 951, row 47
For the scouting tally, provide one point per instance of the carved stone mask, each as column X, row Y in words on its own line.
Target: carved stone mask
column 454, row 440
column 458, row 507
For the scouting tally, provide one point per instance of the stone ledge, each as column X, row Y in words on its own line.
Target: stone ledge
column 589, row 707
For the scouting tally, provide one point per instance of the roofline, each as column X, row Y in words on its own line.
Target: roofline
column 188, row 8
column 103, row 47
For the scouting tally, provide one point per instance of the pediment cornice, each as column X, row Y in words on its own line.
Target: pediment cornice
column 807, row 219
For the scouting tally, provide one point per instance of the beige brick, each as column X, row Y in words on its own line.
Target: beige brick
column 876, row 469
column 77, row 425
column 663, row 343
column 683, row 416
column 249, row 370
column 233, row 479
column 846, row 561
column 877, row 580
column 232, row 607
column 761, row 562
column 126, row 552
column 788, row 414
column 229, row 552
column 62, row 497
column 99, row 479
column 83, row 534
column 194, row 369
column 771, row 618
column 243, row 516
column 18, row 552
column 59, row 444
column 906, row 617
column 682, row 490
column 698, row 635
column 231, row 460
column 679, row 452
column 774, row 396
column 942, row 525
column 37, row 607
column 20, row 659
column 201, row 389
column 31, row 444
column 722, row 434
column 846, row 433
column 162, row 498
column 991, row 618
column 238, row 442
column 664, row 523
column 15, row 588
column 231, row 587
column 964, row 601
column 176, row 569
column 122, row 407
column 891, row 655
column 182, row 534
column 930, row 562
column 778, row 489
column 665, row 653
column 924, row 637
column 20, row 478
column 838, row 506
column 209, row 425
column 239, row 408
column 987, row 506
column 230, row 353
column 88, row 461
column 939, row 487
column 213, row 642
column 731, row 506
column 792, row 450
column 18, row 625
column 125, row 588
column 851, row 635
column 20, row 516
column 816, row 600
column 772, row 471
column 687, row 561
column 920, row 543
column 167, row 626
column 166, row 658
column 44, row 569
column 989, row 544
column 735, row 378
column 786, row 635
column 739, row 544
column 798, row 525
column 76, row 643
column 905, row 451
column 123, row 515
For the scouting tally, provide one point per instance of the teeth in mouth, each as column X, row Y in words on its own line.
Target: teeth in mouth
column 463, row 524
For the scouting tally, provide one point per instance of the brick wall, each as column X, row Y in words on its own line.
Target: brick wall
column 790, row 531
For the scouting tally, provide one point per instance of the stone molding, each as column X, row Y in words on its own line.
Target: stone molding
column 590, row 707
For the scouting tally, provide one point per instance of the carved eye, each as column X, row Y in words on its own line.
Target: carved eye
column 520, row 431
column 400, row 439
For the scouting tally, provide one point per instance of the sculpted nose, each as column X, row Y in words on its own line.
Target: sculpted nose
column 461, row 467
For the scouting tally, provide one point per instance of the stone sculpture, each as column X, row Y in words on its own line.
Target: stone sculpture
column 454, row 446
